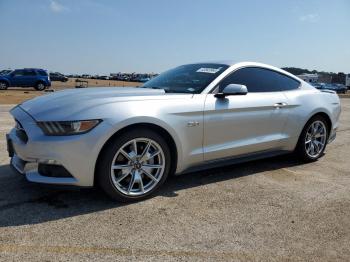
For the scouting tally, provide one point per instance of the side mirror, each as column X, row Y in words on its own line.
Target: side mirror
column 232, row 90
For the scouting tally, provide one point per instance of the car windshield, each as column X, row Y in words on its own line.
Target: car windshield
column 191, row 78
column 5, row 72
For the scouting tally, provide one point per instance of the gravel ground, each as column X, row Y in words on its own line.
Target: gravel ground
column 276, row 209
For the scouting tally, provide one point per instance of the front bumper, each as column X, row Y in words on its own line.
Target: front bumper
column 77, row 154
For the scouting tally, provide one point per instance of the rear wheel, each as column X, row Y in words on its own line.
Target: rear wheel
column 3, row 85
column 313, row 139
column 134, row 165
column 40, row 86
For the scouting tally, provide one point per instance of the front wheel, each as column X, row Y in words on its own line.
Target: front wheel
column 3, row 85
column 313, row 139
column 134, row 165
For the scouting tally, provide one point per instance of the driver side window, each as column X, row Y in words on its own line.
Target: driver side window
column 258, row 79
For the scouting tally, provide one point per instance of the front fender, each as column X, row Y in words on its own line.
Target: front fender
column 116, row 127
column 146, row 120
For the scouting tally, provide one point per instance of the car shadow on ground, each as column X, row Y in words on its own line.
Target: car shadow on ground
column 23, row 203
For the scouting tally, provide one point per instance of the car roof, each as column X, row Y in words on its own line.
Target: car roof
column 241, row 64
column 220, row 62
column 32, row 69
column 235, row 64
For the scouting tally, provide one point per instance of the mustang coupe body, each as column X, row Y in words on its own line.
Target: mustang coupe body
column 128, row 140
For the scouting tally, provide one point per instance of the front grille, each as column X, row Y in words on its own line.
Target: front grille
column 20, row 132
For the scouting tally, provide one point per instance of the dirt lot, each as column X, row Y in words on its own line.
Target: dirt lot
column 17, row 95
column 276, row 209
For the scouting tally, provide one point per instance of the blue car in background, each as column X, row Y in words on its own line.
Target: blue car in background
column 339, row 88
column 28, row 77
column 318, row 85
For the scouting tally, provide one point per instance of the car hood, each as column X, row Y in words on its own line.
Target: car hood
column 63, row 104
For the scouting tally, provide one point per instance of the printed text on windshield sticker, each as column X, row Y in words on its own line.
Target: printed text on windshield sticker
column 208, row 70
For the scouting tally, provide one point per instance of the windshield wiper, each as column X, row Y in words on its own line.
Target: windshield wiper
column 152, row 87
column 169, row 91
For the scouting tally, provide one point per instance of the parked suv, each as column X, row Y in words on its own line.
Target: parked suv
column 28, row 77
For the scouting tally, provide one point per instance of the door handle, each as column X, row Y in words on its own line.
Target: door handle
column 279, row 105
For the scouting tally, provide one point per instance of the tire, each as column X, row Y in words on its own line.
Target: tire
column 134, row 177
column 311, row 145
column 40, row 86
column 3, row 85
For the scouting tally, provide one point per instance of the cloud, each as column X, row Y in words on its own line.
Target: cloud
column 311, row 18
column 56, row 7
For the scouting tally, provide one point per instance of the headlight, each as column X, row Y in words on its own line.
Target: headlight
column 65, row 128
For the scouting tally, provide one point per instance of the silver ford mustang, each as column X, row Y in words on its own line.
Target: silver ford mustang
column 196, row 116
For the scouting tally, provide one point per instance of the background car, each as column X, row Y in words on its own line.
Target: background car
column 144, row 79
column 28, row 77
column 86, row 76
column 339, row 88
column 58, row 77
column 103, row 77
column 318, row 85
column 342, row 88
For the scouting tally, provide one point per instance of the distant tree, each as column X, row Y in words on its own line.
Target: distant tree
column 296, row 71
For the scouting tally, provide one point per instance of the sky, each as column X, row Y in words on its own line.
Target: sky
column 100, row 37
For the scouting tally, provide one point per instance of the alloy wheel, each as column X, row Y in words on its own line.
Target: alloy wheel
column 138, row 166
column 315, row 139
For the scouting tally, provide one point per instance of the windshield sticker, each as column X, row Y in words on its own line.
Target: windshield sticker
column 191, row 89
column 208, row 70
